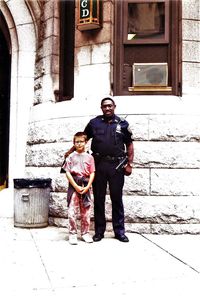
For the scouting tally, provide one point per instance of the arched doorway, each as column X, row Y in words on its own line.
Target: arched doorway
column 5, row 62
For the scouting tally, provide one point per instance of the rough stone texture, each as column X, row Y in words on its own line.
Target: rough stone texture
column 136, row 184
column 153, row 215
column 174, row 127
column 190, row 9
column 162, row 195
column 83, row 56
column 163, row 228
column 55, row 130
column 191, row 30
column 164, row 187
column 147, row 155
column 58, row 205
column 145, row 228
column 167, row 154
column 162, row 209
column 191, row 51
column 93, row 57
column 144, row 212
column 190, row 73
column 101, row 53
column 175, row 182
column 47, row 58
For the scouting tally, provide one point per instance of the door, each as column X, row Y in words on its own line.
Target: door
column 4, row 102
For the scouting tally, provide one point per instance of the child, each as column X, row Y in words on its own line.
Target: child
column 80, row 170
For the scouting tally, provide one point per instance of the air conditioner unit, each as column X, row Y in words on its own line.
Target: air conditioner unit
column 150, row 74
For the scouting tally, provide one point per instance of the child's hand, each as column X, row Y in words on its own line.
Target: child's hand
column 84, row 190
column 79, row 189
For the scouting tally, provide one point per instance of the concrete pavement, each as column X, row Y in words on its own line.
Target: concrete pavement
column 41, row 262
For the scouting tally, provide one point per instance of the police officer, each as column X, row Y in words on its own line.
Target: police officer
column 111, row 146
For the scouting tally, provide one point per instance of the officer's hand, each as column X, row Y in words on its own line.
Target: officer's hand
column 71, row 150
column 128, row 170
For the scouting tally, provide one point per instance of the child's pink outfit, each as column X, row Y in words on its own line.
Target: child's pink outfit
column 80, row 165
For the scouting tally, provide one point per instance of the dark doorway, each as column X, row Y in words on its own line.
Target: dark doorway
column 5, row 64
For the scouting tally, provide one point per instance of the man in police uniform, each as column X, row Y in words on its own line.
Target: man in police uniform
column 111, row 145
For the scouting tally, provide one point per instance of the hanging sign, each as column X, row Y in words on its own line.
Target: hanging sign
column 88, row 14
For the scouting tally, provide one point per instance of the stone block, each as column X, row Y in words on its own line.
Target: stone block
column 92, row 79
column 55, row 130
column 176, row 182
column 26, row 36
column 191, row 30
column 137, row 183
column 191, row 51
column 167, row 154
column 59, row 181
column 45, row 155
column 51, row 8
column 58, row 205
column 162, row 209
column 51, row 27
column 47, row 90
column 172, row 229
column 101, row 53
column 51, row 46
column 191, row 71
column 26, row 58
column 190, row 9
column 139, row 125
column 174, row 127
column 20, row 12
column 107, row 11
column 97, row 36
column 105, row 34
column 83, row 55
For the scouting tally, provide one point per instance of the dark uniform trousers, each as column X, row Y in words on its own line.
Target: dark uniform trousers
column 106, row 174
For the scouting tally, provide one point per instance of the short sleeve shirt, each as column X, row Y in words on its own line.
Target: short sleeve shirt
column 81, row 164
column 109, row 138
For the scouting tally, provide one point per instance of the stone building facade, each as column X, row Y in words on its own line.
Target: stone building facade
column 163, row 193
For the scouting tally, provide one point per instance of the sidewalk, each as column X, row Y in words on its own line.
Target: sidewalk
column 41, row 262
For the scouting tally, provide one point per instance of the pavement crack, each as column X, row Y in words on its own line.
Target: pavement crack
column 43, row 264
column 175, row 257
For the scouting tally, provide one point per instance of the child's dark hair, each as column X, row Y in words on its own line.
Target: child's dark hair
column 80, row 134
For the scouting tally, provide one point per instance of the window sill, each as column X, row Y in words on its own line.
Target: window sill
column 150, row 89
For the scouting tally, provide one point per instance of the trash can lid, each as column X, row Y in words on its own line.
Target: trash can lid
column 32, row 183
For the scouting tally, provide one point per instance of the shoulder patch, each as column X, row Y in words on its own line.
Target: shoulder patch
column 120, row 119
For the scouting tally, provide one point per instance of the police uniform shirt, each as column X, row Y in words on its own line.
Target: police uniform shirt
column 109, row 137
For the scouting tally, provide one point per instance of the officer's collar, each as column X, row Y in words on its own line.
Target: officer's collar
column 111, row 119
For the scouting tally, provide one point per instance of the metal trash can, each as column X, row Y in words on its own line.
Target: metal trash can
column 31, row 202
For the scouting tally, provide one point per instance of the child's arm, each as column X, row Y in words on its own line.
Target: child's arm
column 91, row 178
column 78, row 188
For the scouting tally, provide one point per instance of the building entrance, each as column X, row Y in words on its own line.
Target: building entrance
column 4, row 104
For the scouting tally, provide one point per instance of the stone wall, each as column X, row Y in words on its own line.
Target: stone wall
column 191, row 48
column 161, row 195
column 93, row 57
column 47, row 54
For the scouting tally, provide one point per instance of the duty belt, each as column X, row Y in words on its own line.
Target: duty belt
column 108, row 158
